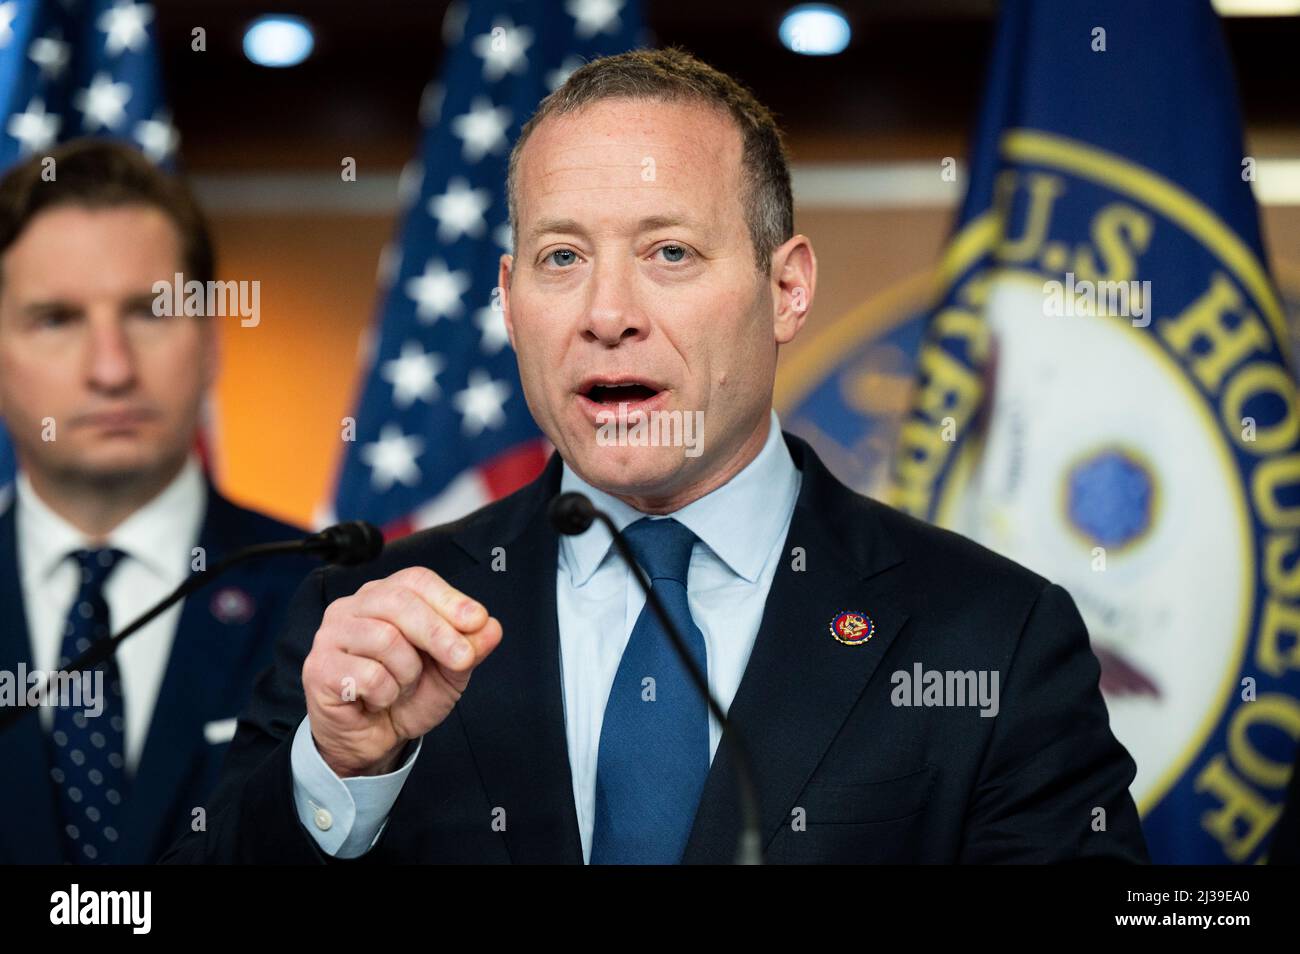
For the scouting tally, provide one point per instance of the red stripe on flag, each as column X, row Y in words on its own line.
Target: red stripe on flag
column 511, row 469
column 396, row 529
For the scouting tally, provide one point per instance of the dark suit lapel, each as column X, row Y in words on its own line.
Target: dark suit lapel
column 513, row 712
column 798, row 687
column 28, row 817
column 205, row 652
column 800, row 683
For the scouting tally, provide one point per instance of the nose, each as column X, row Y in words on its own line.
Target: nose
column 612, row 314
column 110, row 359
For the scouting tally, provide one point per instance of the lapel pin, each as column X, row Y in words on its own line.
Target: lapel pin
column 232, row 606
column 852, row 629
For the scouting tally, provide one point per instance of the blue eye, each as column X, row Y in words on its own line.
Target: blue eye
column 573, row 257
column 53, row 320
column 674, row 253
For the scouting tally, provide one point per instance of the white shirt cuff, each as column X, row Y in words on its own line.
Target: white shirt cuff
column 344, row 815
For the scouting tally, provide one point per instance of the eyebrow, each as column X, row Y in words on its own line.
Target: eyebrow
column 37, row 308
column 45, row 306
column 573, row 227
column 139, row 298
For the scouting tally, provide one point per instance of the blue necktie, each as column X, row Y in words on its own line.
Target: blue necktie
column 654, row 741
column 89, row 771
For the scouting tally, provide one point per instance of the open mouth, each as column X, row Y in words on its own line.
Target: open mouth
column 611, row 395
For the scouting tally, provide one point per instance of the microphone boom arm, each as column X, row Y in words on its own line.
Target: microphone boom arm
column 365, row 539
column 572, row 513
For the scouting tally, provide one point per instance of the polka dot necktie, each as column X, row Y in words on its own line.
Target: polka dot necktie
column 88, row 743
column 654, row 740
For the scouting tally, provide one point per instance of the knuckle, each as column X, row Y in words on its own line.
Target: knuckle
column 311, row 669
column 449, row 601
column 388, row 638
column 416, row 576
column 334, row 612
column 369, row 675
column 444, row 636
column 402, row 599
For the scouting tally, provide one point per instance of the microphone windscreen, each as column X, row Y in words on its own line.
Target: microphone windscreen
column 571, row 513
column 353, row 542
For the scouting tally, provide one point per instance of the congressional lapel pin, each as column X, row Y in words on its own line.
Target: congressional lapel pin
column 852, row 629
column 232, row 606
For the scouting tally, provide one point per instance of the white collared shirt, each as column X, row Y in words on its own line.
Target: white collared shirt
column 157, row 540
column 741, row 527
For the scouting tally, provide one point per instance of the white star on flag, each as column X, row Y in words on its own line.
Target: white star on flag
column 594, row 16
column 414, row 375
column 481, row 404
column 391, row 459
column 492, row 323
column 502, row 49
column 51, row 54
column 437, row 292
column 459, row 210
column 482, row 129
column 125, row 25
column 35, row 129
column 103, row 103
column 157, row 137
column 8, row 11
column 555, row 78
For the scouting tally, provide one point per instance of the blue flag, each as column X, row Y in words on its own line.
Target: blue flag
column 442, row 426
column 71, row 68
column 1104, row 396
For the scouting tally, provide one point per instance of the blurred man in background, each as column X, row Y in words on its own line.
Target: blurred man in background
column 111, row 511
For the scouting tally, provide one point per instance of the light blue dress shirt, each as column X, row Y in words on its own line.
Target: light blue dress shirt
column 741, row 527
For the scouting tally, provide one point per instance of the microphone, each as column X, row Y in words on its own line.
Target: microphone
column 571, row 514
column 345, row 543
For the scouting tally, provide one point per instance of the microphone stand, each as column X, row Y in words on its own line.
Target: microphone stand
column 749, row 848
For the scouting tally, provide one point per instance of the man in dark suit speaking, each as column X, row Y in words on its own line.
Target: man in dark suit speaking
column 905, row 694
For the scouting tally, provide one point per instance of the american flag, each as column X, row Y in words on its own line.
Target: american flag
column 71, row 68
column 442, row 427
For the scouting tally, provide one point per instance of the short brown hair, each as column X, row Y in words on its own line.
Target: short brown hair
column 102, row 173
column 672, row 75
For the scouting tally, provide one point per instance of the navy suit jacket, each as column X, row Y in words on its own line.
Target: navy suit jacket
column 214, row 661
column 1043, row 781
